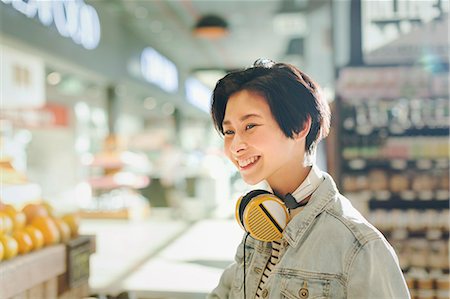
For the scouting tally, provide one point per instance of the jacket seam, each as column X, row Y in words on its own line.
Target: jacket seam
column 355, row 251
column 361, row 238
column 352, row 260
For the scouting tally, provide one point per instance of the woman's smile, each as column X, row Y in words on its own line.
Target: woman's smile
column 247, row 163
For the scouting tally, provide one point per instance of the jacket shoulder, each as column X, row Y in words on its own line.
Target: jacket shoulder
column 347, row 217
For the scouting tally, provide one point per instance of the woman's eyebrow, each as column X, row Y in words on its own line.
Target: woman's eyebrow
column 244, row 117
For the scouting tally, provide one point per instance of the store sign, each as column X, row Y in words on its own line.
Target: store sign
column 159, row 70
column 72, row 18
column 22, row 80
column 198, row 94
column 48, row 116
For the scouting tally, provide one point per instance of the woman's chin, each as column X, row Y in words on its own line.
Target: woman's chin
column 251, row 181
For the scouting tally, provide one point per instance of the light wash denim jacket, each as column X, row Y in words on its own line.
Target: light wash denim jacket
column 329, row 250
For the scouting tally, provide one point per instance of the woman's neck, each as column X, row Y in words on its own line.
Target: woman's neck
column 288, row 182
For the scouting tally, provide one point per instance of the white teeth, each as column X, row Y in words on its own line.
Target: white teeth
column 243, row 163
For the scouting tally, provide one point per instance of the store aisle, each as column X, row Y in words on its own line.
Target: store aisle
column 189, row 267
column 122, row 245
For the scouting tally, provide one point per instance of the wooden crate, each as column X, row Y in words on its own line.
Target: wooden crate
column 34, row 275
column 56, row 272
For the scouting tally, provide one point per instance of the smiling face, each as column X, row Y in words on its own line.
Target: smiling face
column 257, row 146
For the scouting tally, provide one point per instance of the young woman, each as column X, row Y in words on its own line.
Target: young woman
column 304, row 239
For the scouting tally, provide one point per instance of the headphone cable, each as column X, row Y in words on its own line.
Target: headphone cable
column 245, row 240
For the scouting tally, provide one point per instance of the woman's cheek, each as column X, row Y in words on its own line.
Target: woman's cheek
column 226, row 149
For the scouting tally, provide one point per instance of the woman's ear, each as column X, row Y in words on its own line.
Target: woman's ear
column 304, row 132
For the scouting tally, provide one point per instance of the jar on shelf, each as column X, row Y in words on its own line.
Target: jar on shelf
column 378, row 180
column 419, row 252
column 398, row 183
column 425, row 294
column 443, row 283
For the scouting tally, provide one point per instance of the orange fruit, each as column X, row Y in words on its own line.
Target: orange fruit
column 24, row 241
column 19, row 219
column 36, row 236
column 1, row 225
column 10, row 246
column 8, row 223
column 64, row 229
column 2, row 251
column 48, row 228
column 73, row 220
column 33, row 210
column 48, row 207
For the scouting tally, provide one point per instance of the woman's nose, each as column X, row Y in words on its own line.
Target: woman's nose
column 238, row 144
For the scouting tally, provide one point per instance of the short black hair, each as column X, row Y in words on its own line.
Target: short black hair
column 293, row 97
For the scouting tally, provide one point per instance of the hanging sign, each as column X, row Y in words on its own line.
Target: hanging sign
column 72, row 18
column 159, row 70
column 198, row 94
column 22, row 80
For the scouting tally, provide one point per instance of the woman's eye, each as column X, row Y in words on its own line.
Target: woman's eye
column 228, row 132
column 250, row 126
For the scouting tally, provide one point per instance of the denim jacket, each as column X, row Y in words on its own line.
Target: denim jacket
column 329, row 250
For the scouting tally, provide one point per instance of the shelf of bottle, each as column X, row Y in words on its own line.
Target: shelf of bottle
column 428, row 234
column 394, row 163
column 395, row 131
column 397, row 202
column 407, row 197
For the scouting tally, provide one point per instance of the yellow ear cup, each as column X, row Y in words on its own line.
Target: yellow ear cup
column 238, row 218
column 265, row 217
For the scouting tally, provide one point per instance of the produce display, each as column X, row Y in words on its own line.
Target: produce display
column 33, row 227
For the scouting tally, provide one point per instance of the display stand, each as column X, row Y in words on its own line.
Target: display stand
column 59, row 271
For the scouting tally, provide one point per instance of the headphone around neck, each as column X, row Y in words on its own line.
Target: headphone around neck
column 264, row 216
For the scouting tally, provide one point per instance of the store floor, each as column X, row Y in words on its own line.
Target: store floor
column 161, row 257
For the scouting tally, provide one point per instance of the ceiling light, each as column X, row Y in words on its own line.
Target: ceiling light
column 168, row 109
column 150, row 103
column 211, row 26
column 53, row 78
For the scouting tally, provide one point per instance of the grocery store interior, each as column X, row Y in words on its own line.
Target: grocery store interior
column 113, row 180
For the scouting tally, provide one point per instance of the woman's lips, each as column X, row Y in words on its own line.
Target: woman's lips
column 248, row 163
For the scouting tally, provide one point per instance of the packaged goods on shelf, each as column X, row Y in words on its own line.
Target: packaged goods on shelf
column 395, row 154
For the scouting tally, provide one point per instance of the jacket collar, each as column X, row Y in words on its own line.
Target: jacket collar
column 298, row 225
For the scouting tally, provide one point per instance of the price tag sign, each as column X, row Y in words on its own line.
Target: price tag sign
column 22, row 80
